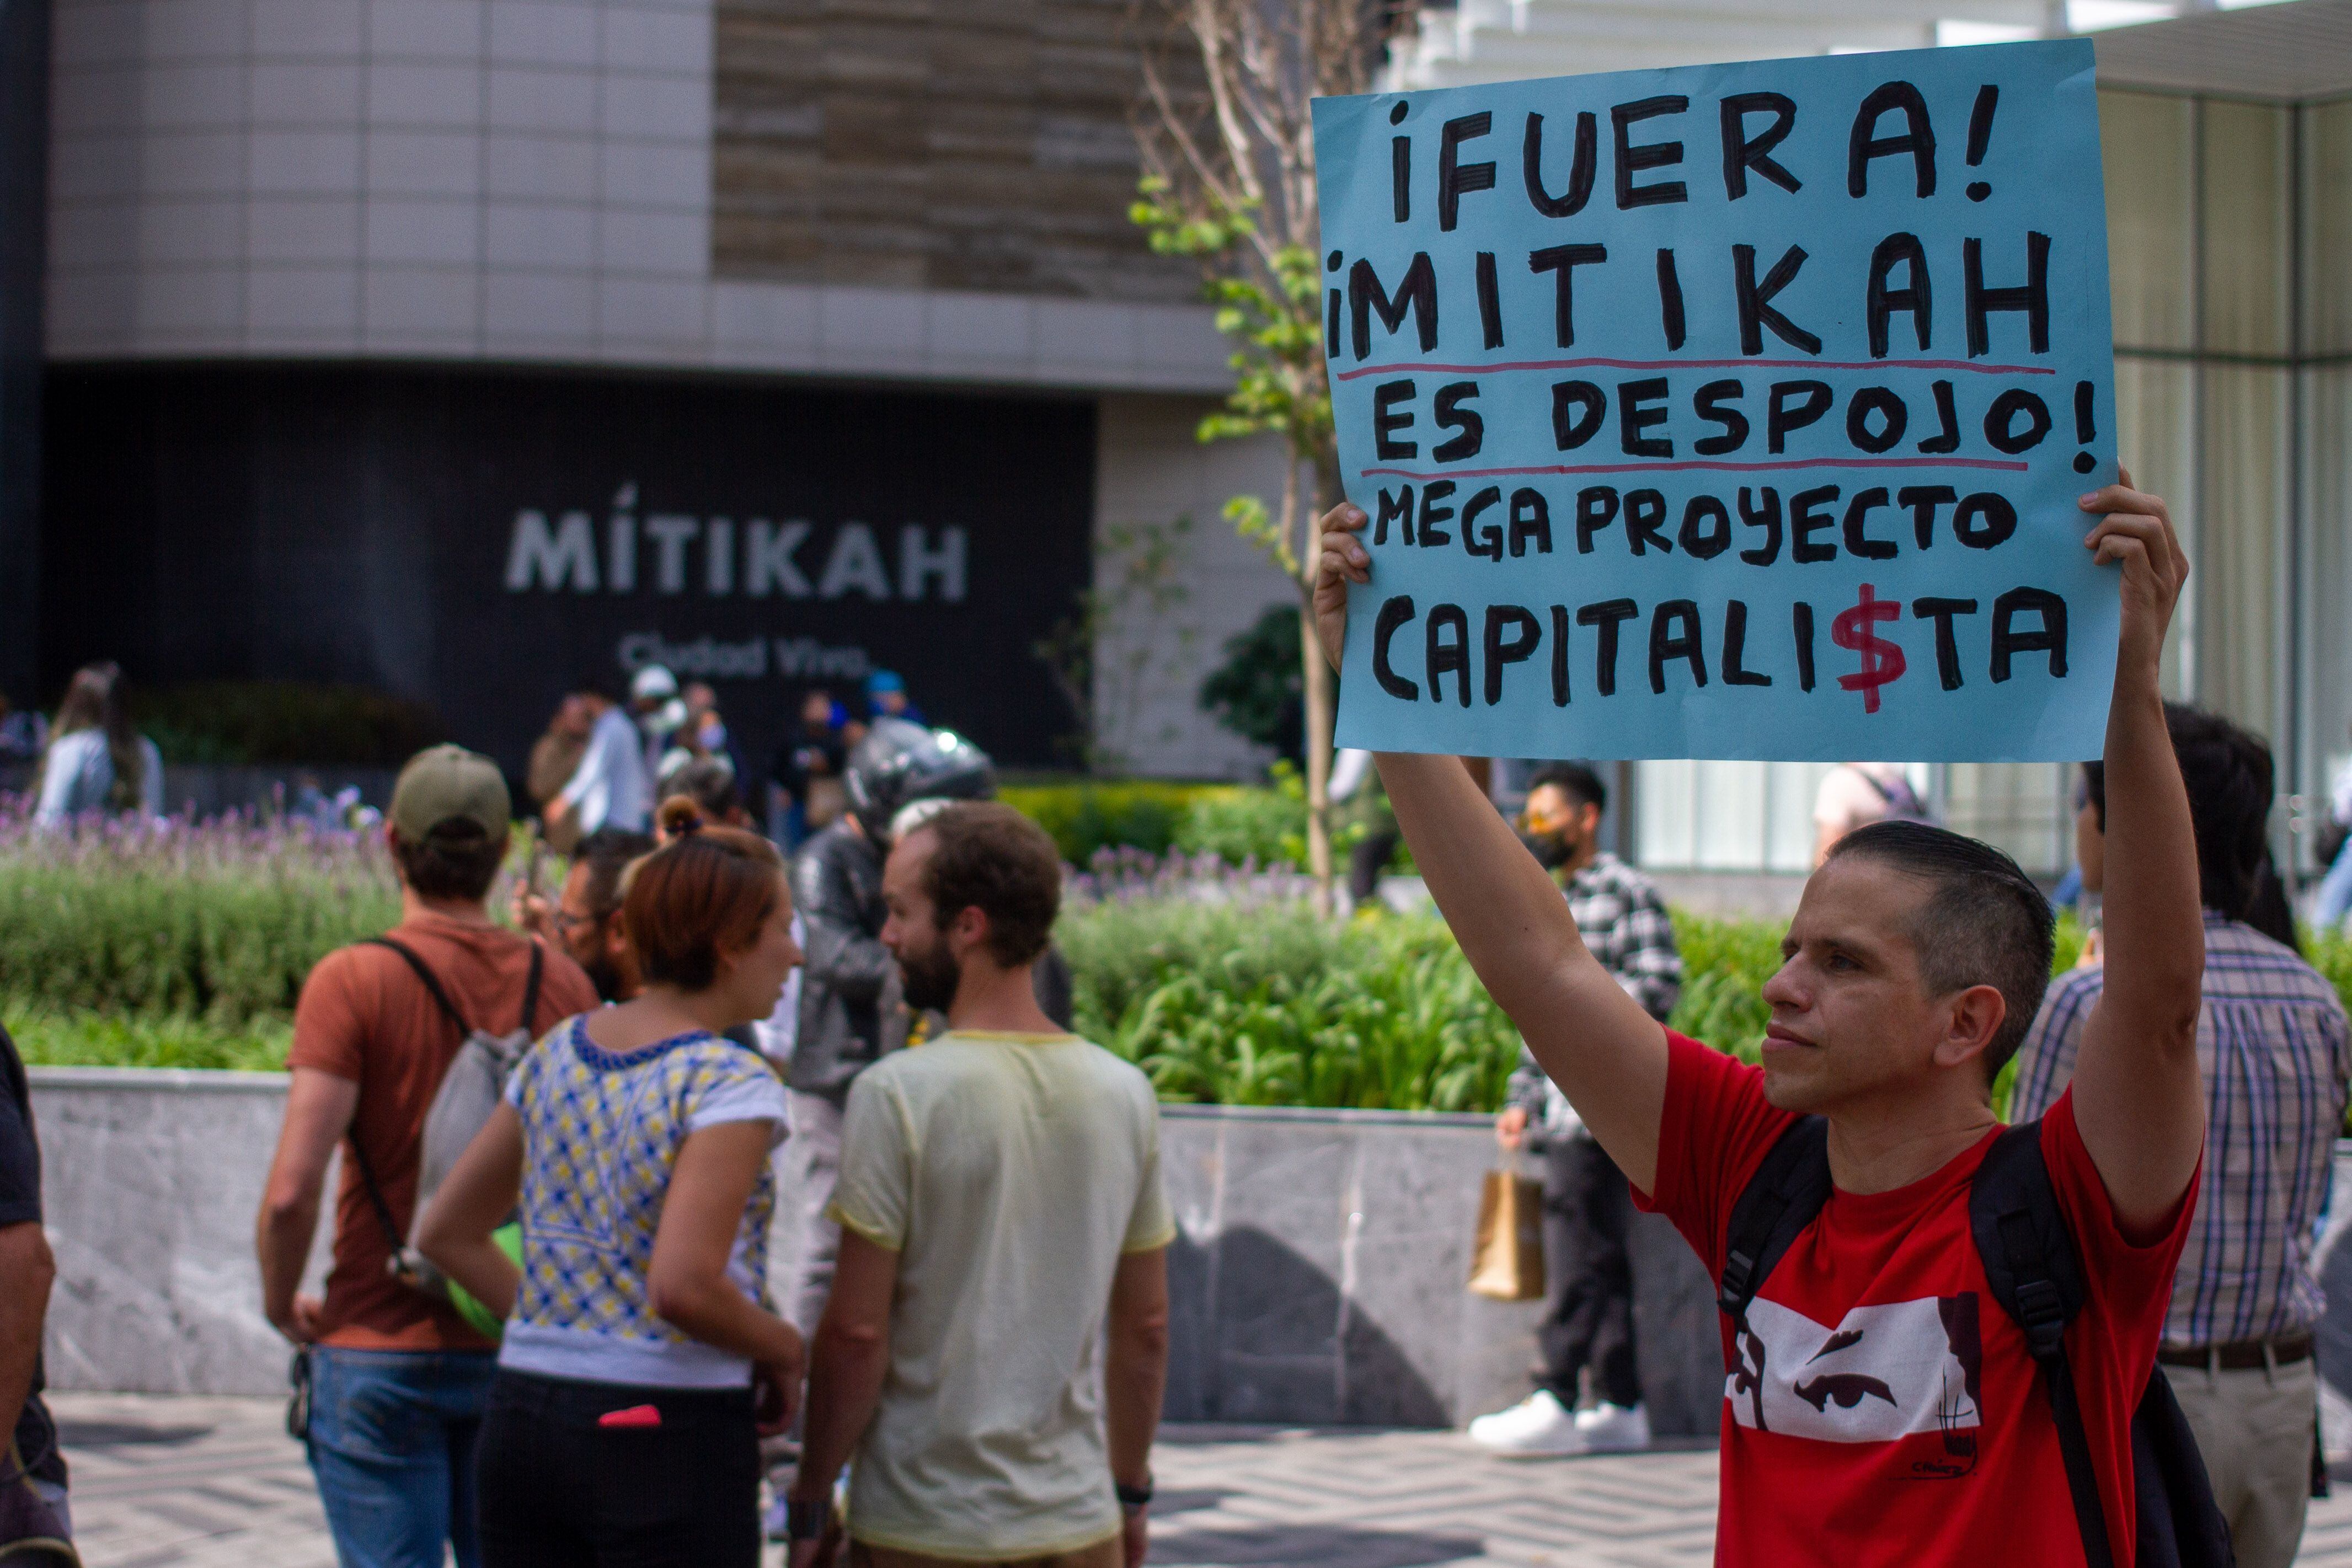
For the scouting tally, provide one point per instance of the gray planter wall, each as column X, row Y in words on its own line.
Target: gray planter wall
column 1317, row 1276
column 1318, row 1279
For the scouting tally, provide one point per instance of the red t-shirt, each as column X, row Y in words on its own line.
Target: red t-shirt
column 1883, row 1408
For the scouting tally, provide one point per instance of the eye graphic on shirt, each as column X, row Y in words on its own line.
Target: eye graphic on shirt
column 1885, row 1371
column 1844, row 1389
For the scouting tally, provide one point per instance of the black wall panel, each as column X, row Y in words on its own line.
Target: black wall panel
column 478, row 538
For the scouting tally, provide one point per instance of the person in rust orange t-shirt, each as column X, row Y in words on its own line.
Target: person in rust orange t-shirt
column 398, row 1379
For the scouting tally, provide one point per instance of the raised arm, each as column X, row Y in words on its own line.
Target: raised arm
column 2138, row 1102
column 1607, row 1055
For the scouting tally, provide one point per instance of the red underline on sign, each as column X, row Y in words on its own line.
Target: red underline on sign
column 1971, row 365
column 1993, row 462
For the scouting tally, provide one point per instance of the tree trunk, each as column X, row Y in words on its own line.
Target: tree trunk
column 1318, row 759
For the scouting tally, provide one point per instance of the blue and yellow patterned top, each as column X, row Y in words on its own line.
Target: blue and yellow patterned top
column 601, row 1136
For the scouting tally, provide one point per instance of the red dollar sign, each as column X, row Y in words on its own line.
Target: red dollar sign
column 1882, row 661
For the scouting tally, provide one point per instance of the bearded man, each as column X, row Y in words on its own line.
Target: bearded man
column 992, row 1357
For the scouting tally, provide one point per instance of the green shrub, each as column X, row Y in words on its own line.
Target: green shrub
column 80, row 1037
column 1263, row 1004
column 239, row 722
column 1086, row 817
column 1259, row 691
column 1261, row 827
column 219, row 923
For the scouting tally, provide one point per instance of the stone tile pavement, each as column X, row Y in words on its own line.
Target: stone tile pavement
column 214, row 1483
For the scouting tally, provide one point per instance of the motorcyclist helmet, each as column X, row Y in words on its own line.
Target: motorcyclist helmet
column 900, row 762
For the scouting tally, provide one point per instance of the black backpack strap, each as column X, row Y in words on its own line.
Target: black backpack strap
column 433, row 981
column 530, row 987
column 374, row 1192
column 449, row 1010
column 2032, row 1269
column 1781, row 1199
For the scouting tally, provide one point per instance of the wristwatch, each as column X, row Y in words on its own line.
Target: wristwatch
column 806, row 1521
column 1132, row 1498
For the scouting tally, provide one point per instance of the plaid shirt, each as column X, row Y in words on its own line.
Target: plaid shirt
column 1625, row 925
column 2271, row 1042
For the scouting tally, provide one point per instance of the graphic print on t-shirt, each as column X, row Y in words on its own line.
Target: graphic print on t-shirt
column 1883, row 1372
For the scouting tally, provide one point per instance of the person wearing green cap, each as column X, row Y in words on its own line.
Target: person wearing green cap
column 398, row 1378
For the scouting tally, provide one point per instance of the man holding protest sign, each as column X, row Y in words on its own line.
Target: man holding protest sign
column 1878, row 1412
column 1939, row 1337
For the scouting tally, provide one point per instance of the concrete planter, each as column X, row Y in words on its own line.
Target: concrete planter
column 1318, row 1275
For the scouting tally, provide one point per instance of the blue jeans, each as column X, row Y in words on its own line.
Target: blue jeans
column 2335, row 900
column 392, row 1444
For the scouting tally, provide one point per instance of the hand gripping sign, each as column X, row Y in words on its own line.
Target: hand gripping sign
column 1735, row 410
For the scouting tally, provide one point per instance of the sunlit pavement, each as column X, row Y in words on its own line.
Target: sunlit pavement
column 214, row 1483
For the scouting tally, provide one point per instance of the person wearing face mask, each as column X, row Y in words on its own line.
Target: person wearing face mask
column 1588, row 1209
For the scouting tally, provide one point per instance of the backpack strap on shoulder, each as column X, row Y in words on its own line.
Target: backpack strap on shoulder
column 530, row 987
column 358, row 1154
column 2031, row 1265
column 1781, row 1199
column 432, row 982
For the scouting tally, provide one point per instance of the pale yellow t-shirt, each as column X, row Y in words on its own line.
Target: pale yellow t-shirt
column 1010, row 1172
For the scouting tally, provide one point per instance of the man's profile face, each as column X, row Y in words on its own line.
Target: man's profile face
column 1851, row 1017
column 913, row 931
column 1560, row 824
column 588, row 936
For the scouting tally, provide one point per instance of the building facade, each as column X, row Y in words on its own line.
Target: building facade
column 460, row 347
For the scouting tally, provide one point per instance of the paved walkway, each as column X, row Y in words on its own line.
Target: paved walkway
column 214, row 1483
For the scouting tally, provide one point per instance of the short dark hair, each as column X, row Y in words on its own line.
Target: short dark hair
column 1983, row 922
column 455, row 859
column 709, row 782
column 607, row 852
column 1574, row 780
column 704, row 892
column 987, row 856
column 2230, row 777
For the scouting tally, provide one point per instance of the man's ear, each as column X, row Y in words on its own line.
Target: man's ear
column 1971, row 1019
column 969, row 929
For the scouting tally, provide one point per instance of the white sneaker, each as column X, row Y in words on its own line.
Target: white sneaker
column 1538, row 1426
column 1609, row 1428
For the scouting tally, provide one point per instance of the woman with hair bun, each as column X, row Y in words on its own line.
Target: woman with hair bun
column 641, row 1362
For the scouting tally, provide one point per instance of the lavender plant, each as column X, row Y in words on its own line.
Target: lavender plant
column 217, row 922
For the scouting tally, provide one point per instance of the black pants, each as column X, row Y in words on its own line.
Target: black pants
column 1589, row 1316
column 560, row 1491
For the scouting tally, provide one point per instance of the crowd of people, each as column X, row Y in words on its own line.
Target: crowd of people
column 561, row 1340
column 552, row 1331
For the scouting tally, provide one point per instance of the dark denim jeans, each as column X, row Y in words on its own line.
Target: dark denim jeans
column 392, row 1444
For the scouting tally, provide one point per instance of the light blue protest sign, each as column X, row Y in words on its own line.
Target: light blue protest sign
column 1736, row 410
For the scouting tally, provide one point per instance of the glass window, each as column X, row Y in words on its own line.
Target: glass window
column 2327, row 581
column 2240, row 565
column 1665, row 821
column 2145, row 149
column 2024, row 808
column 2327, row 229
column 2155, row 437
column 2244, row 228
